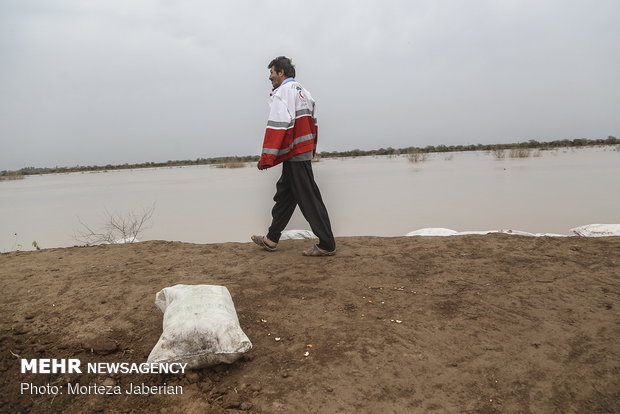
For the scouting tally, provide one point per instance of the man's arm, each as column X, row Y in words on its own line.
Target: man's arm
column 280, row 120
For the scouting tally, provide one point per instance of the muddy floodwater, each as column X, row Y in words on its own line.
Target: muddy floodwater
column 547, row 192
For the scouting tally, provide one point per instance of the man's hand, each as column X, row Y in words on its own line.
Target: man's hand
column 260, row 166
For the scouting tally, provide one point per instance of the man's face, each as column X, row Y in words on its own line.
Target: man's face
column 276, row 78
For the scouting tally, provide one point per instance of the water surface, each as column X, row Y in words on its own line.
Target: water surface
column 380, row 196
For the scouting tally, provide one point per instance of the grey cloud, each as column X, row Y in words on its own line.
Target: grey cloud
column 114, row 82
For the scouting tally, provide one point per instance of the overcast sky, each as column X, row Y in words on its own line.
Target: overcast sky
column 129, row 81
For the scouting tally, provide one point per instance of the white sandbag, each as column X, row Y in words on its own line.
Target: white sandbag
column 438, row 231
column 434, row 231
column 475, row 232
column 525, row 233
column 297, row 235
column 597, row 230
column 200, row 327
column 516, row 232
column 551, row 235
column 130, row 239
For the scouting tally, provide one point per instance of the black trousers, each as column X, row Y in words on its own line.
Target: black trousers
column 296, row 187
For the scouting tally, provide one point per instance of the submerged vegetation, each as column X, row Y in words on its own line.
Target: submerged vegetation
column 231, row 164
column 500, row 153
column 11, row 175
column 415, row 154
column 520, row 152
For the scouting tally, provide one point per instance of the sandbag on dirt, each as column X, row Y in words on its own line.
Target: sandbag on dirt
column 433, row 231
column 297, row 235
column 597, row 230
column 200, row 327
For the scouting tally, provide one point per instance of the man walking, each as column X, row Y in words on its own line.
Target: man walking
column 290, row 139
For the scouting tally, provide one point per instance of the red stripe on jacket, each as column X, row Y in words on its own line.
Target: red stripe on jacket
column 281, row 139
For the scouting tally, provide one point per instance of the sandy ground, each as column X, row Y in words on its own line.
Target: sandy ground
column 468, row 324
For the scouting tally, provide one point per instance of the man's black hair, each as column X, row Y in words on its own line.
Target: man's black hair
column 282, row 63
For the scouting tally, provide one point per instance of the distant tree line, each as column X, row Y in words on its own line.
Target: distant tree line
column 580, row 142
column 81, row 168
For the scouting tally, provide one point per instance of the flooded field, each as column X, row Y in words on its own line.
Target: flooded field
column 547, row 192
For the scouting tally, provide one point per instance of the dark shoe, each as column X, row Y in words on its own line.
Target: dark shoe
column 262, row 242
column 317, row 251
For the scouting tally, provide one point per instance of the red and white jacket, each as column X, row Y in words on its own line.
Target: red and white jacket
column 291, row 128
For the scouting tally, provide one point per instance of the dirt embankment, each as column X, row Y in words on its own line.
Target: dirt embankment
column 469, row 324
